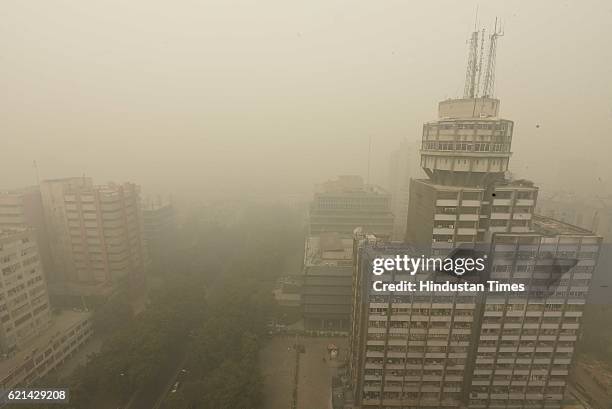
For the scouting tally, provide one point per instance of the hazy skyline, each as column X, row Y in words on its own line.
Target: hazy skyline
column 273, row 96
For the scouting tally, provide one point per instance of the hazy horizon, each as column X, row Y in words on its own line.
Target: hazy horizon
column 225, row 98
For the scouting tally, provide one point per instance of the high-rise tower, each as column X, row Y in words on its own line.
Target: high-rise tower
column 98, row 235
column 480, row 349
column 465, row 153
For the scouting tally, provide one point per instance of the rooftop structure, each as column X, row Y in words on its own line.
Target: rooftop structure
column 331, row 249
column 68, row 331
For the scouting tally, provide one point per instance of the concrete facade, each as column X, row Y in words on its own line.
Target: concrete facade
column 347, row 203
column 33, row 340
column 98, row 234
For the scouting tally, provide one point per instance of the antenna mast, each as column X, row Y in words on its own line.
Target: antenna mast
column 489, row 84
column 472, row 67
column 482, row 41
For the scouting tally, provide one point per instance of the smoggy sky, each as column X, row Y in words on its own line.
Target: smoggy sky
column 224, row 97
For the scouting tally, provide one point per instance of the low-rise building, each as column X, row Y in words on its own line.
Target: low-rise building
column 327, row 281
column 347, row 203
column 326, row 297
column 68, row 332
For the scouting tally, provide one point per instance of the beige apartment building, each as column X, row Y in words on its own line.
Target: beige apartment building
column 98, row 234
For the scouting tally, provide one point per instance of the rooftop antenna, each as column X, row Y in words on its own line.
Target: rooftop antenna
column 489, row 81
column 472, row 65
column 479, row 69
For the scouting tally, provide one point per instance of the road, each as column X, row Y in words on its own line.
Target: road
column 170, row 383
column 153, row 396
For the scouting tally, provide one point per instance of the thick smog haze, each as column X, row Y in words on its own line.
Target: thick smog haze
column 271, row 204
column 232, row 97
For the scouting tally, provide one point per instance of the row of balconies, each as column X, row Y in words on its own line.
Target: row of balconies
column 462, row 231
column 460, row 217
column 516, row 395
column 455, row 203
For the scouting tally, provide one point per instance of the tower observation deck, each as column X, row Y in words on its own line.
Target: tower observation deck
column 469, row 145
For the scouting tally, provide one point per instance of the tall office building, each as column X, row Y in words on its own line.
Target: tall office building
column 407, row 350
column 427, row 349
column 52, row 194
column 465, row 153
column 481, row 349
column 344, row 204
column 527, row 340
column 98, row 234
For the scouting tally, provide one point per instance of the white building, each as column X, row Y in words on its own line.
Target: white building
column 465, row 153
column 32, row 339
column 24, row 303
column 22, row 208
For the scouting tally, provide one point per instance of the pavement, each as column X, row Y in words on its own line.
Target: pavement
column 314, row 376
column 277, row 359
column 314, row 381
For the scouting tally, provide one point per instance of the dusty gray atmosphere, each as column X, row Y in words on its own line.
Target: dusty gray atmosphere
column 266, row 204
column 228, row 98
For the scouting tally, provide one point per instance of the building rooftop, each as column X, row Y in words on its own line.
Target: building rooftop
column 328, row 249
column 20, row 190
column 550, row 226
column 349, row 185
column 469, row 108
column 381, row 246
column 329, row 271
column 61, row 323
column 8, row 232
